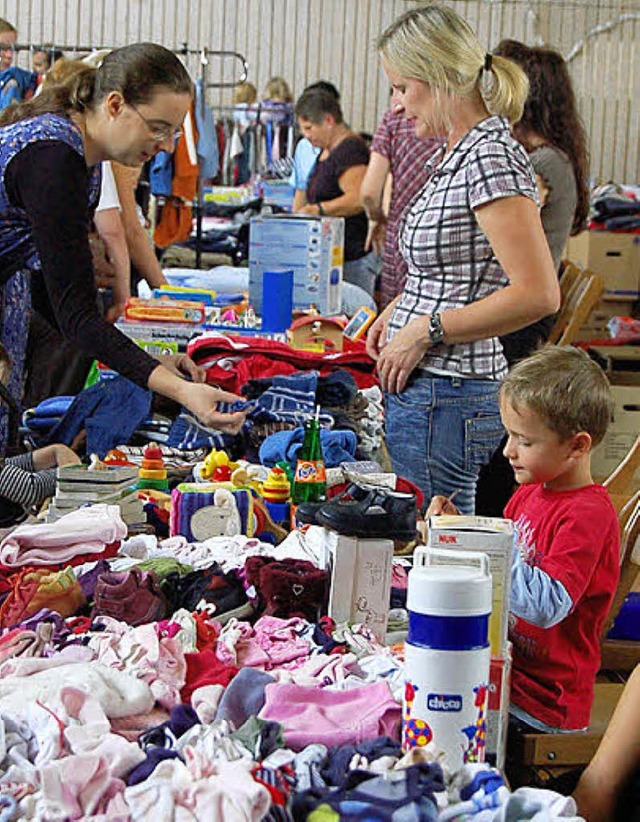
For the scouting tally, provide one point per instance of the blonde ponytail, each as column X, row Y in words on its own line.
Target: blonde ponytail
column 435, row 45
column 504, row 88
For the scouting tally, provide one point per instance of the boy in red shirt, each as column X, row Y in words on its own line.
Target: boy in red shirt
column 556, row 405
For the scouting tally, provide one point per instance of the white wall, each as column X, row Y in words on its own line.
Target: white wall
column 304, row 40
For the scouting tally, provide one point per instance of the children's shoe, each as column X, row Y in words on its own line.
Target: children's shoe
column 133, row 597
column 368, row 511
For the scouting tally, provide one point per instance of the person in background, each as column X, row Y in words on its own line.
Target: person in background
column 43, row 60
column 277, row 91
column 245, row 96
column 51, row 148
column 556, row 406
column 333, row 188
column 479, row 264
column 8, row 39
column 16, row 83
column 395, row 174
column 552, row 133
column 306, row 154
column 26, row 480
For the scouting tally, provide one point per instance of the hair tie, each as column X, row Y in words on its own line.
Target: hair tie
column 488, row 59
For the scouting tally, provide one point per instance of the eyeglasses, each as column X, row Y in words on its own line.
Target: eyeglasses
column 161, row 133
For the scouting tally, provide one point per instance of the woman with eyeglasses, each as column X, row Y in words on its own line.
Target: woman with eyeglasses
column 51, row 148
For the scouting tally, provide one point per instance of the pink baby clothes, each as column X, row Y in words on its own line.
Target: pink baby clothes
column 78, row 787
column 315, row 715
column 85, row 531
column 270, row 643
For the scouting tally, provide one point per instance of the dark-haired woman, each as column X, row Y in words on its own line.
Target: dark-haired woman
column 50, row 153
column 552, row 133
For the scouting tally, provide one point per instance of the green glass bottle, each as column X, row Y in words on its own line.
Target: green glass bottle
column 310, row 480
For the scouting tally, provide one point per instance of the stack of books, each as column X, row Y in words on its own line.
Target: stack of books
column 79, row 485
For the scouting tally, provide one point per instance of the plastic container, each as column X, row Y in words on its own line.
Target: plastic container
column 447, row 654
column 277, row 300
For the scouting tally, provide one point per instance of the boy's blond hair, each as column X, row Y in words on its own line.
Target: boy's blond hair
column 565, row 387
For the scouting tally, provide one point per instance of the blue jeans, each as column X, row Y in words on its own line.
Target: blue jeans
column 440, row 431
column 363, row 271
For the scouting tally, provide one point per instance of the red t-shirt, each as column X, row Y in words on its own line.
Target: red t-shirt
column 574, row 537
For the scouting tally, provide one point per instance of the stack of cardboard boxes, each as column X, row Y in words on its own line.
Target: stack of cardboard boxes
column 615, row 257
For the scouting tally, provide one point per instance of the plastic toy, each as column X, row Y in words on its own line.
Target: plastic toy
column 214, row 459
column 152, row 473
column 276, row 487
column 320, row 334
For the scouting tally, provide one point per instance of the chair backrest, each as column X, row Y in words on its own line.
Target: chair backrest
column 570, row 273
column 629, row 519
column 582, row 299
column 620, row 481
column 570, row 289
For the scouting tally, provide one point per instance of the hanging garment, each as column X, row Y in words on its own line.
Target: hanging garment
column 175, row 224
column 208, row 151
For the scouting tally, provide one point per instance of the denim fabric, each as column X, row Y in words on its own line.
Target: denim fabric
column 110, row 412
column 440, row 431
column 363, row 271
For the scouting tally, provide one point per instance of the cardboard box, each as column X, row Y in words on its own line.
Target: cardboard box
column 498, row 707
column 361, row 582
column 595, row 328
column 612, row 255
column 621, row 434
column 494, row 537
column 311, row 246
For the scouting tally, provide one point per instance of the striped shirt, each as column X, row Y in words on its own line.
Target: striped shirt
column 22, row 484
column 450, row 260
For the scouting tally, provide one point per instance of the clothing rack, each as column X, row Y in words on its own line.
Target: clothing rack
column 204, row 55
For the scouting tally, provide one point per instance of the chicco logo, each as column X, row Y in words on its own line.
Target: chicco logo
column 451, row 703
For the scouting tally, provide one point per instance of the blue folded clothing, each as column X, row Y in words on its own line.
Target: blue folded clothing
column 337, row 447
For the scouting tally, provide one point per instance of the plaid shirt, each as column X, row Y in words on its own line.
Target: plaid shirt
column 396, row 140
column 450, row 260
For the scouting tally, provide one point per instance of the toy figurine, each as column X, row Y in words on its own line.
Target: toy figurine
column 152, row 473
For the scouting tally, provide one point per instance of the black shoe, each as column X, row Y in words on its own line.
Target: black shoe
column 368, row 511
column 306, row 513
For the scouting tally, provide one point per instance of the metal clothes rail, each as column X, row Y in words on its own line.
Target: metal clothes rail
column 204, row 56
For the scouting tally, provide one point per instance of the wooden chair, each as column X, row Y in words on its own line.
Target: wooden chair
column 570, row 273
column 619, row 483
column 622, row 655
column 582, row 296
column 535, row 757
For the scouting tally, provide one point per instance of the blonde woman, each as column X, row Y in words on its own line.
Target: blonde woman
column 479, row 264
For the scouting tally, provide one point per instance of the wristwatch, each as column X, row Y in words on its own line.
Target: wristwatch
column 321, row 210
column 436, row 331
